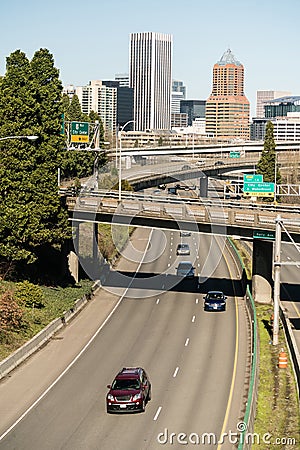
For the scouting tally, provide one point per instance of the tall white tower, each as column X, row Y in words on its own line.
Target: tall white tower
column 151, row 79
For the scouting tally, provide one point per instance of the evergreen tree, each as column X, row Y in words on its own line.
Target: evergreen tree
column 30, row 104
column 267, row 163
column 74, row 111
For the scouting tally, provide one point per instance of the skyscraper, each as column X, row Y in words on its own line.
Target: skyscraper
column 265, row 96
column 227, row 108
column 151, row 79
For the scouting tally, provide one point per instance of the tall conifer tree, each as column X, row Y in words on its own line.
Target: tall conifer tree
column 30, row 104
column 267, row 163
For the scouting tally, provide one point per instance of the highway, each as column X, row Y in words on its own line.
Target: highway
column 197, row 361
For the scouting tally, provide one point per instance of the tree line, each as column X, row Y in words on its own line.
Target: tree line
column 33, row 220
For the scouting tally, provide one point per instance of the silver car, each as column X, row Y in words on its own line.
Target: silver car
column 183, row 249
column 186, row 269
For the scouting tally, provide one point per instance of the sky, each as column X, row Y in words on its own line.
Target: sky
column 89, row 39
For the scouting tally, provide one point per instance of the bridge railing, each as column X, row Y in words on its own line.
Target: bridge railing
column 206, row 212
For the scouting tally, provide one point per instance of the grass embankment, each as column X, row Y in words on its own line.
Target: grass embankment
column 57, row 299
column 277, row 406
column 277, row 416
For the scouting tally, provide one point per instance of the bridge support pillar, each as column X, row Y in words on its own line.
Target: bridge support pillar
column 95, row 242
column 203, row 186
column 262, row 262
column 73, row 255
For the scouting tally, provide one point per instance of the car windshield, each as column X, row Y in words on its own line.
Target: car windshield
column 125, row 384
column 215, row 296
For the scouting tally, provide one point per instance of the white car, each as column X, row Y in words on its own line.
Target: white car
column 183, row 249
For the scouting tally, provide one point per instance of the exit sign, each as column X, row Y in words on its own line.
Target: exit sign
column 264, row 234
column 80, row 132
column 234, row 154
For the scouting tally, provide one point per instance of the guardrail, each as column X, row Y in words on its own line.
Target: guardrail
column 250, row 412
column 104, row 195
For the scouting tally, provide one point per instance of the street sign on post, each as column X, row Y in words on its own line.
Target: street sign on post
column 259, row 189
column 234, row 154
column 80, row 132
column 264, row 234
column 253, row 178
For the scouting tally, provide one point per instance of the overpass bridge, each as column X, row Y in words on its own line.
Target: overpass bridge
column 239, row 220
column 207, row 148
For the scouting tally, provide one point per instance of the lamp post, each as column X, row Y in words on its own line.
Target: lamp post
column 277, row 264
column 275, row 179
column 30, row 138
column 120, row 157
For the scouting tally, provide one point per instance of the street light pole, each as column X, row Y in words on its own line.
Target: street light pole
column 30, row 138
column 120, row 157
column 275, row 179
column 277, row 269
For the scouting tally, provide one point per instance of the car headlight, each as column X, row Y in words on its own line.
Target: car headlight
column 137, row 396
column 110, row 397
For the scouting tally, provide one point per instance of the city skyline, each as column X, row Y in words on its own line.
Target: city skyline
column 91, row 40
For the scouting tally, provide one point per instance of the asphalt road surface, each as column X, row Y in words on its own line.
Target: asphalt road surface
column 197, row 361
column 289, row 289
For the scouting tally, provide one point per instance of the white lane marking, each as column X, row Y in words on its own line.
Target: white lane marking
column 197, row 301
column 157, row 413
column 193, row 318
column 170, row 256
column 187, row 342
column 169, row 264
column 175, row 372
column 198, row 265
column 82, row 350
column 157, row 301
column 171, row 249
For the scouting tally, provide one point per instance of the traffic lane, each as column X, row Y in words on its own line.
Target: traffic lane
column 83, row 407
column 145, row 333
column 290, row 288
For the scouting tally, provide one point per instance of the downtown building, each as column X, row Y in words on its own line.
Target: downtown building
column 102, row 99
column 151, row 79
column 227, row 108
column 263, row 97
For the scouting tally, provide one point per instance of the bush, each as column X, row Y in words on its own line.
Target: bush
column 11, row 314
column 29, row 295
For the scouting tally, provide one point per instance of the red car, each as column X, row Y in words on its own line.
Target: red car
column 130, row 391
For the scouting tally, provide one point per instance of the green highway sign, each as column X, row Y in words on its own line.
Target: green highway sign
column 253, row 178
column 259, row 189
column 263, row 234
column 234, row 155
column 79, row 132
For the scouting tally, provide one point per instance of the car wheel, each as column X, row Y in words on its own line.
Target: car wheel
column 143, row 405
column 149, row 395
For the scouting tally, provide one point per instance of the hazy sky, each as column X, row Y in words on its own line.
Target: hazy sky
column 90, row 39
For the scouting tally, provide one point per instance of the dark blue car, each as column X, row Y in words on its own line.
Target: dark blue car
column 215, row 301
